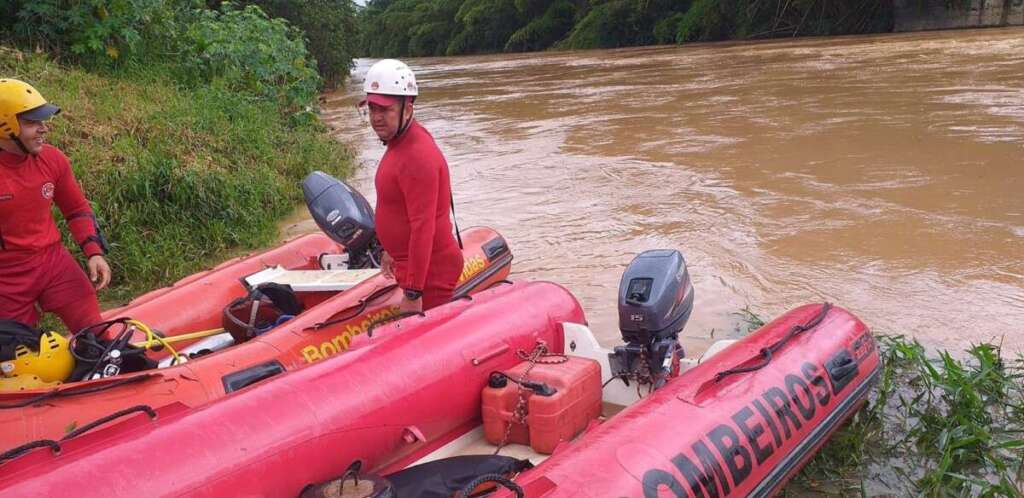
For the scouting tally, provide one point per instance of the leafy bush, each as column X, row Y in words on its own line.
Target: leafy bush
column 240, row 49
column 245, row 51
column 96, row 31
column 330, row 28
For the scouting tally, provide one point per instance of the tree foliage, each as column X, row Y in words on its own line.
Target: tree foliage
column 709, row 20
column 251, row 54
column 98, row 32
column 330, row 28
column 111, row 33
column 395, row 28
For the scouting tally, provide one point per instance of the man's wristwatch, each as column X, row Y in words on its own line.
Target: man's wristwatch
column 412, row 294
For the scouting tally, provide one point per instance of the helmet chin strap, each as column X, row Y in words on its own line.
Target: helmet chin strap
column 402, row 126
column 17, row 141
column 21, row 145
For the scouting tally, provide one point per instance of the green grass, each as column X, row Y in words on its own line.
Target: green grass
column 936, row 426
column 179, row 177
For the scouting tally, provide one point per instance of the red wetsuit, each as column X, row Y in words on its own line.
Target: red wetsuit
column 413, row 195
column 34, row 265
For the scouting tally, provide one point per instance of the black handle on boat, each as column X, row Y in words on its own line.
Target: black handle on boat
column 842, row 369
column 766, row 353
column 495, row 478
column 77, row 390
column 100, row 421
column 359, row 307
column 25, row 448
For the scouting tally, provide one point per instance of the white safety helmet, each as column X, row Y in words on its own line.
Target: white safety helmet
column 390, row 77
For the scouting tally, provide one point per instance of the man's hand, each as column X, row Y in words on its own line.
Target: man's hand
column 411, row 305
column 99, row 271
column 387, row 265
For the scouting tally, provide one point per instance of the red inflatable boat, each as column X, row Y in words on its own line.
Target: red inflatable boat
column 336, row 306
column 739, row 423
column 391, row 399
column 724, row 428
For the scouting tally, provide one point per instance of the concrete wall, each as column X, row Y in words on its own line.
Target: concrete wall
column 918, row 15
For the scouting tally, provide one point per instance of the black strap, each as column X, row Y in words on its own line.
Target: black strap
column 74, row 391
column 25, row 448
column 455, row 221
column 495, row 478
column 98, row 238
column 359, row 308
column 766, row 353
column 96, row 423
column 81, row 214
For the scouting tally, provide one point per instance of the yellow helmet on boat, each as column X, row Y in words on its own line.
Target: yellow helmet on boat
column 18, row 98
column 51, row 364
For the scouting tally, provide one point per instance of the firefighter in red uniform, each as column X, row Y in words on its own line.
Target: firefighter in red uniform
column 35, row 268
column 413, row 193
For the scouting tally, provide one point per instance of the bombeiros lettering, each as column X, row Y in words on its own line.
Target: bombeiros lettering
column 471, row 267
column 724, row 457
column 341, row 342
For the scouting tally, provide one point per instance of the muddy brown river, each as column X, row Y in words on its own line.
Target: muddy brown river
column 882, row 173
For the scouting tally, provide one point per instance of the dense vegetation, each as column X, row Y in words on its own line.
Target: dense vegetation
column 188, row 126
column 937, row 425
column 452, row 27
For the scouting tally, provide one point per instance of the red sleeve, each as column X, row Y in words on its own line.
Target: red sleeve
column 420, row 182
column 76, row 210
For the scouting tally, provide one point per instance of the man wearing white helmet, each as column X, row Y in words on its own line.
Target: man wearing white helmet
column 413, row 193
column 35, row 268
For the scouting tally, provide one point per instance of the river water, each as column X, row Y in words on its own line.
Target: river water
column 882, row 173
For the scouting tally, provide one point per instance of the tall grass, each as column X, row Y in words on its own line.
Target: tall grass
column 179, row 177
column 936, row 426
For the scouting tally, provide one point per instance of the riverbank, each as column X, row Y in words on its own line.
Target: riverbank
column 938, row 423
column 179, row 177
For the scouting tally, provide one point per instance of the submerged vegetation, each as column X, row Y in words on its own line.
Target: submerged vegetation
column 935, row 426
column 189, row 127
column 394, row 28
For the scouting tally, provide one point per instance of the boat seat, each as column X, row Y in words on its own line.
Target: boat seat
column 310, row 280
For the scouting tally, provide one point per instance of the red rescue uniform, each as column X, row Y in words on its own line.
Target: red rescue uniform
column 35, row 268
column 413, row 195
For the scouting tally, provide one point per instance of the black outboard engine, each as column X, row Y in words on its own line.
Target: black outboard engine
column 655, row 301
column 345, row 216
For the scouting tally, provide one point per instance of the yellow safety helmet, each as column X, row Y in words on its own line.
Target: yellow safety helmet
column 51, row 364
column 18, row 98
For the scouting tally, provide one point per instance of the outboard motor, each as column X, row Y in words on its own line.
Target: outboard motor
column 345, row 216
column 655, row 301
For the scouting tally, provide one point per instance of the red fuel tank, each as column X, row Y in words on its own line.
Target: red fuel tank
column 550, row 417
